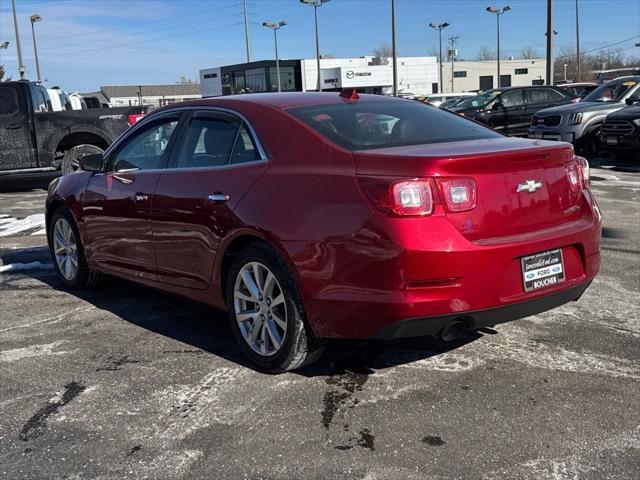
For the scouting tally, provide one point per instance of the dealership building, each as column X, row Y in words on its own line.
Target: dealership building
column 368, row 74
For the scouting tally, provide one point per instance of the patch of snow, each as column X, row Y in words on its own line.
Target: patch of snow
column 40, row 232
column 16, row 267
column 11, row 226
column 31, row 351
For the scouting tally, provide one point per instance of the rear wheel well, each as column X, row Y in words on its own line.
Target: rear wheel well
column 80, row 138
column 234, row 248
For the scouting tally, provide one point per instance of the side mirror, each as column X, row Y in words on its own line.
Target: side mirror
column 632, row 101
column 92, row 163
column 496, row 106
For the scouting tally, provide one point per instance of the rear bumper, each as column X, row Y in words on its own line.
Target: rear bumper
column 407, row 279
column 416, row 327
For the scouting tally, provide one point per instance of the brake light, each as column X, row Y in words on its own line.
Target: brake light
column 585, row 171
column 134, row 118
column 388, row 196
column 412, row 197
column 574, row 176
column 459, row 194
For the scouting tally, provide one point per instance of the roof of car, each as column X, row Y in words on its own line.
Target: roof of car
column 287, row 100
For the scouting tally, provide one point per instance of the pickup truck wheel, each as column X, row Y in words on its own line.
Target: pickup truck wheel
column 71, row 159
column 67, row 252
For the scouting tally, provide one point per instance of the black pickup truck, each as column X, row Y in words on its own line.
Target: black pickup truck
column 36, row 140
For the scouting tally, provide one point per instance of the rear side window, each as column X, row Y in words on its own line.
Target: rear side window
column 8, row 102
column 380, row 124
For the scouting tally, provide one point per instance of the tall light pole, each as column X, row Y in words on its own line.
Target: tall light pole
column 578, row 44
column 315, row 4
column 275, row 27
column 498, row 12
column 394, row 53
column 246, row 30
column 35, row 18
column 15, row 24
column 440, row 27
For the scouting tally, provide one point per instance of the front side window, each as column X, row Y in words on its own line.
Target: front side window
column 388, row 123
column 216, row 142
column 146, row 150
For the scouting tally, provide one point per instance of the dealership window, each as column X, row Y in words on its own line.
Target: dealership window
column 522, row 71
column 287, row 79
column 238, row 82
column 460, row 74
column 255, row 80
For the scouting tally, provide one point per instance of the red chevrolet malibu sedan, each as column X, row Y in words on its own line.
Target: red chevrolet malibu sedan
column 310, row 216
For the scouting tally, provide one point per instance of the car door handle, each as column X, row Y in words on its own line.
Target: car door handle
column 14, row 126
column 140, row 197
column 218, row 197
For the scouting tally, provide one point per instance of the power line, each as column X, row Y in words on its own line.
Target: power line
column 601, row 48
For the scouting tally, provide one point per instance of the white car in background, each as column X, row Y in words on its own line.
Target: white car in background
column 61, row 100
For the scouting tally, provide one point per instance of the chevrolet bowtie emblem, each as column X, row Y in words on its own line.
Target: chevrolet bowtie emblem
column 529, row 186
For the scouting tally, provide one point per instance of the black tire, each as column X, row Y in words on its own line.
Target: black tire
column 84, row 277
column 299, row 347
column 589, row 145
column 71, row 160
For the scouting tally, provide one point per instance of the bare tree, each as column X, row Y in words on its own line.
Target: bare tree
column 485, row 54
column 529, row 52
column 383, row 51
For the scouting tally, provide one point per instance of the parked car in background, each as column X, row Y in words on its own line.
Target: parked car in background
column 579, row 90
column 510, row 109
column 77, row 101
column 447, row 105
column 580, row 123
column 437, row 99
column 289, row 212
column 604, row 76
column 36, row 139
column 620, row 132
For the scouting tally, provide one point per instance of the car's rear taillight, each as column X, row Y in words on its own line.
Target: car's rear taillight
column 389, row 196
column 134, row 117
column 413, row 197
column 574, row 176
column 585, row 171
column 458, row 194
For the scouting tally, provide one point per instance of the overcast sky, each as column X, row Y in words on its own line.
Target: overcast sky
column 87, row 43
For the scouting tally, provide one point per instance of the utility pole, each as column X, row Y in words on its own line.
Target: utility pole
column 246, row 30
column 393, row 48
column 578, row 44
column 15, row 24
column 549, row 79
column 452, row 55
column 440, row 27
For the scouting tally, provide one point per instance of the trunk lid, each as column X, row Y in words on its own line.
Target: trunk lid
column 498, row 167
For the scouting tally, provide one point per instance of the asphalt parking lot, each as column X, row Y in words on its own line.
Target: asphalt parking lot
column 125, row 382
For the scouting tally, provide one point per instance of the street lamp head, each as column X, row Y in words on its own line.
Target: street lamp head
column 269, row 24
column 4, row 45
column 506, row 9
column 444, row 25
column 314, row 3
column 432, row 25
column 492, row 10
column 282, row 23
column 35, row 18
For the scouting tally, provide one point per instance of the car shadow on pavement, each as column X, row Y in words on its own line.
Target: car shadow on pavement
column 614, row 164
column 207, row 329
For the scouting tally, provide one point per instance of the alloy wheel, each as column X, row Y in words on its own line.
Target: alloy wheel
column 260, row 308
column 65, row 249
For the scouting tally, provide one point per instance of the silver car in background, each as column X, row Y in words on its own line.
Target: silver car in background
column 579, row 123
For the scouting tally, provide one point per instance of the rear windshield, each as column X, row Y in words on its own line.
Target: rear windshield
column 365, row 125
